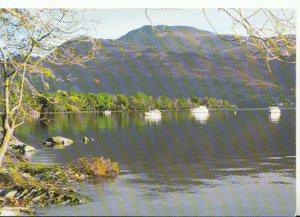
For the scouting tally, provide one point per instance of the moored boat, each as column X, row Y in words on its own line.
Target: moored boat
column 154, row 112
column 274, row 109
column 107, row 112
column 200, row 109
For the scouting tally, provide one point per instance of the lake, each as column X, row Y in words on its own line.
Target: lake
column 225, row 163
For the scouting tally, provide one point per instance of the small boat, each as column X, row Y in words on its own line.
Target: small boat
column 152, row 119
column 202, row 117
column 107, row 112
column 200, row 109
column 274, row 109
column 154, row 112
column 274, row 117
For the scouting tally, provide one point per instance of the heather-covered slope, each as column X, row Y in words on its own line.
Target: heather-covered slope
column 178, row 61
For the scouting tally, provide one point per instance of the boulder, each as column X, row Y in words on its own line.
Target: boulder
column 86, row 139
column 21, row 147
column 15, row 142
column 58, row 140
column 48, row 143
column 29, row 148
column 3, row 192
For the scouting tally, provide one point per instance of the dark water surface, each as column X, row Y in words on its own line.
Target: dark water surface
column 221, row 164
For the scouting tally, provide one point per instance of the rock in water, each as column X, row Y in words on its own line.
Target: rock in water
column 21, row 147
column 59, row 140
column 85, row 139
column 29, row 148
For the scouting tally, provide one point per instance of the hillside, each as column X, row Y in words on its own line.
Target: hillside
column 177, row 61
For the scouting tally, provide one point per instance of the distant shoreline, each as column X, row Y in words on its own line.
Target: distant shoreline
column 182, row 110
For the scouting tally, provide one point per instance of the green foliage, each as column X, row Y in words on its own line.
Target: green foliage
column 122, row 102
column 75, row 102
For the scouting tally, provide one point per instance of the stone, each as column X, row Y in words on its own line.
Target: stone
column 59, row 140
column 19, row 146
column 48, row 143
column 15, row 142
column 3, row 192
column 29, row 148
column 11, row 194
column 23, row 148
column 85, row 139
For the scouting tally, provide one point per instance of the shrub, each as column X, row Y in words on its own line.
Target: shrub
column 98, row 166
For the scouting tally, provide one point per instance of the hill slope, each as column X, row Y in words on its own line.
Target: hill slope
column 178, row 61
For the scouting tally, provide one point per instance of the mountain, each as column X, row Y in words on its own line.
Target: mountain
column 177, row 61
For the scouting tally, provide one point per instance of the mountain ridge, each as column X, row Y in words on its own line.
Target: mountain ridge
column 177, row 61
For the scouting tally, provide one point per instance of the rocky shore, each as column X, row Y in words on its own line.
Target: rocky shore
column 24, row 185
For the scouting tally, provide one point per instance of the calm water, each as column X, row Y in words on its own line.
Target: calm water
column 221, row 164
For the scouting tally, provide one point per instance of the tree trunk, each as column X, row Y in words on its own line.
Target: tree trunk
column 4, row 144
column 7, row 126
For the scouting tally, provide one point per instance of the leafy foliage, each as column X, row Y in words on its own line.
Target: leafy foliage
column 74, row 102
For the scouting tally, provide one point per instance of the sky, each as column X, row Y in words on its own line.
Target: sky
column 114, row 18
column 114, row 23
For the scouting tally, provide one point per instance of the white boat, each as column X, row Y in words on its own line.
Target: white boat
column 154, row 112
column 200, row 109
column 202, row 117
column 107, row 112
column 274, row 109
column 274, row 117
column 153, row 119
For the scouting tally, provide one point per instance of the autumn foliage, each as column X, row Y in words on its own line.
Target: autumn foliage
column 98, row 166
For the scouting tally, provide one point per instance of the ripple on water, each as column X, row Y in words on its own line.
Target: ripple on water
column 290, row 156
column 235, row 169
column 273, row 158
column 271, row 164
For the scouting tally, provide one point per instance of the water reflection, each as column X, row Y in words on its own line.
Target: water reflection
column 153, row 119
column 176, row 167
column 201, row 117
column 274, row 117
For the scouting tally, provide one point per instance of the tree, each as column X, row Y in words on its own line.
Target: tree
column 123, row 101
column 273, row 39
column 29, row 39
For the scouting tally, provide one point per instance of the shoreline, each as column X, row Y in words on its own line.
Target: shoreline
column 181, row 110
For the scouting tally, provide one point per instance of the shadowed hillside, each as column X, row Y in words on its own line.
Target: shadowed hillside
column 178, row 61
